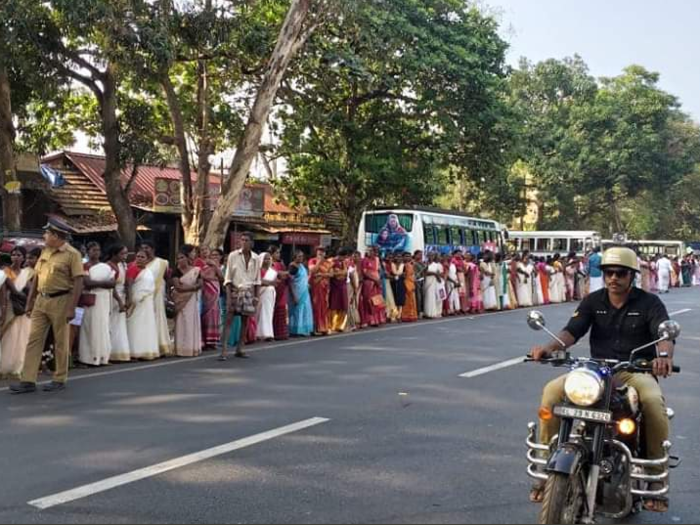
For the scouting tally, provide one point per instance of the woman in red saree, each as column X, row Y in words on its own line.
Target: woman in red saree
column 320, row 273
column 544, row 279
column 211, row 289
column 280, row 325
column 370, row 312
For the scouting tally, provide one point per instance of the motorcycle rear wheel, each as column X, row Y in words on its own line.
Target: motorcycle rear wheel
column 564, row 499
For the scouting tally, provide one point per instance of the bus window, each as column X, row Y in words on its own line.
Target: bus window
column 455, row 236
column 442, row 236
column 576, row 245
column 528, row 245
column 543, row 245
column 428, row 236
column 512, row 245
column 560, row 245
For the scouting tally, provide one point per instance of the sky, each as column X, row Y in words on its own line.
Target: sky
column 661, row 35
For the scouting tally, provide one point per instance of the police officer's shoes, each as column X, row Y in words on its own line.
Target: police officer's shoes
column 24, row 387
column 54, row 386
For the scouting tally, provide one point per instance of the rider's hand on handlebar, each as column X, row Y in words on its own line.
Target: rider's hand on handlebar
column 662, row 366
column 539, row 352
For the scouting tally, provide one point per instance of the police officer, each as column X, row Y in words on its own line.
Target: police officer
column 621, row 318
column 53, row 298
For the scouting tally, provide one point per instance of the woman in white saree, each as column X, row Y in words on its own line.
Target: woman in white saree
column 432, row 295
column 95, row 343
column 16, row 326
column 488, row 284
column 524, row 289
column 141, row 316
column 118, row 332
column 266, row 304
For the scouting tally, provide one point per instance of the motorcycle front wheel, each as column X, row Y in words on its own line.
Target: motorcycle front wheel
column 564, row 498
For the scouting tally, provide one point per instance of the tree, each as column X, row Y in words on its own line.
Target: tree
column 25, row 85
column 92, row 43
column 620, row 141
column 296, row 29
column 201, row 58
column 596, row 150
column 544, row 95
column 388, row 97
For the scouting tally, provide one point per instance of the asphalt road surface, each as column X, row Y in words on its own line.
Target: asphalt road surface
column 378, row 426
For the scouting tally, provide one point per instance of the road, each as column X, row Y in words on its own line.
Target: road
column 385, row 429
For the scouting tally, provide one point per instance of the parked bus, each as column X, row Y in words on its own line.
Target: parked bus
column 547, row 243
column 651, row 248
column 427, row 229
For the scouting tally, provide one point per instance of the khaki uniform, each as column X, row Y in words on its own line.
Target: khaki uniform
column 56, row 272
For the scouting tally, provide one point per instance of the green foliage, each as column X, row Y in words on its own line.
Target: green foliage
column 385, row 98
column 602, row 153
column 41, row 101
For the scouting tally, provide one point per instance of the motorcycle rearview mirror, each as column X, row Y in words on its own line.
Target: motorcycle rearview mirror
column 669, row 330
column 535, row 320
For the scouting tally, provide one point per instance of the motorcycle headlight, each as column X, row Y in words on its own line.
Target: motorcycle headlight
column 583, row 387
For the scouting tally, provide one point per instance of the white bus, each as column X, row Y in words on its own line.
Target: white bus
column 427, row 229
column 547, row 243
column 650, row 248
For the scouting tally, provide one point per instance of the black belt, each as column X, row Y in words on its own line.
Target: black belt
column 55, row 294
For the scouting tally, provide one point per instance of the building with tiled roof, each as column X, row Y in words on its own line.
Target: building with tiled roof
column 75, row 198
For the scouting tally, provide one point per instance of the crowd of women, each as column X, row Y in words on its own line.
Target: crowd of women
column 125, row 309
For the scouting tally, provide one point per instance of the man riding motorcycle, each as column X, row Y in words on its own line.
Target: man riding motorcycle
column 621, row 318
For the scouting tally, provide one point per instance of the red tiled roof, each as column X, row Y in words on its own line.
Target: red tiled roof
column 141, row 193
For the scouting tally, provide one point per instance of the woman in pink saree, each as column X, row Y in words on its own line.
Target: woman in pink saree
column 476, row 304
column 371, row 288
column 462, row 291
column 211, row 289
column 187, row 282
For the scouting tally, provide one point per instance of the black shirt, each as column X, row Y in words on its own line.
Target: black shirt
column 615, row 333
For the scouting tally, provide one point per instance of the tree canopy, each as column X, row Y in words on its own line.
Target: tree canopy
column 369, row 103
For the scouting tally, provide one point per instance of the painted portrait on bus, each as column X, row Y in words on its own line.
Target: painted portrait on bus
column 393, row 237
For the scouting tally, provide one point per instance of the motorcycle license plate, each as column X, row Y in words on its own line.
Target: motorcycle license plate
column 600, row 416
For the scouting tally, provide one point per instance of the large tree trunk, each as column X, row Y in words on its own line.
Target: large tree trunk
column 116, row 195
column 290, row 39
column 184, row 159
column 617, row 225
column 200, row 206
column 11, row 203
column 351, row 221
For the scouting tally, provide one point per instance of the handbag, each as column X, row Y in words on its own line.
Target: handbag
column 244, row 304
column 19, row 303
column 170, row 311
column 86, row 300
column 377, row 300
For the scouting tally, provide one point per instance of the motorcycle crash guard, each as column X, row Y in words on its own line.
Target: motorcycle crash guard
column 566, row 458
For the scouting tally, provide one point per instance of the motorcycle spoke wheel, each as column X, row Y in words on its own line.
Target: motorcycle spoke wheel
column 563, row 500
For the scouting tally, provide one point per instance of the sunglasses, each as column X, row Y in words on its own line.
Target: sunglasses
column 620, row 274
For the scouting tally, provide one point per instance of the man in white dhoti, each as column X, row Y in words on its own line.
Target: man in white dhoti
column 159, row 269
column 664, row 272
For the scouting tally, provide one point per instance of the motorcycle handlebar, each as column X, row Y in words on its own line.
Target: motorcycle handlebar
column 644, row 366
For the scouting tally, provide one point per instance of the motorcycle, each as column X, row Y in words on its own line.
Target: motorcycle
column 594, row 465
